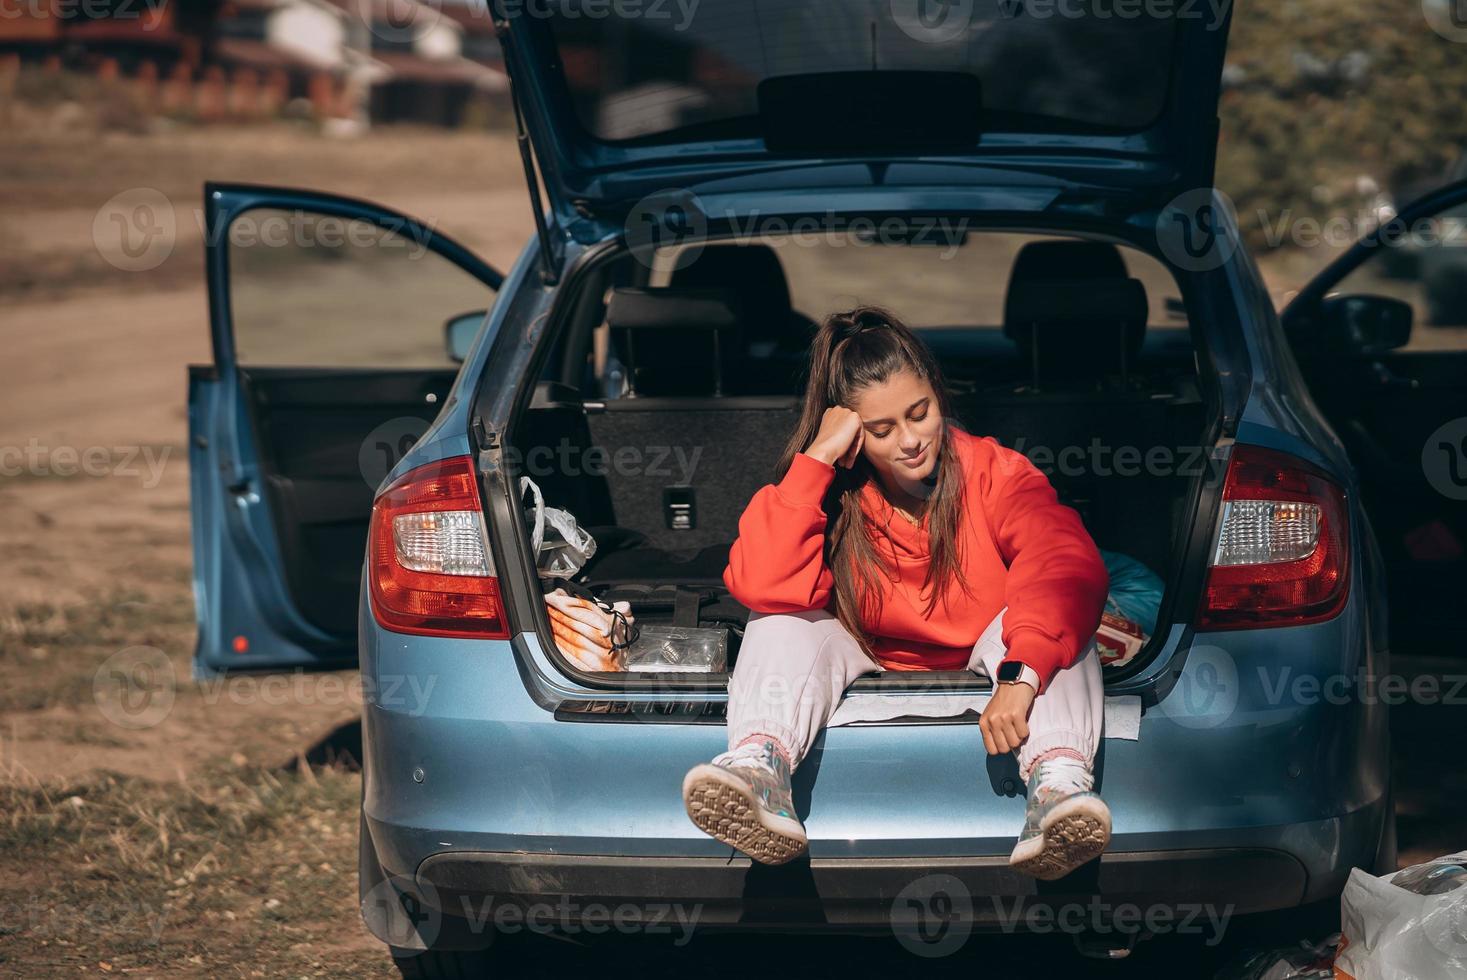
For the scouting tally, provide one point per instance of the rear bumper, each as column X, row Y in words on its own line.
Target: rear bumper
column 462, row 900
column 1191, row 890
column 850, row 893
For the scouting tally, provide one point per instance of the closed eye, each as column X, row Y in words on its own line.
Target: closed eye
column 885, row 426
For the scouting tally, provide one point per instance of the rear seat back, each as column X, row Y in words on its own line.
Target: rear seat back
column 681, row 470
column 664, row 472
column 660, row 482
column 1078, row 334
column 1079, row 321
column 674, row 341
column 1077, row 318
column 774, row 338
column 684, row 452
column 1094, row 451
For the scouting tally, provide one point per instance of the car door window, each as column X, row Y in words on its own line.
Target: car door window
column 1427, row 268
column 1401, row 411
column 310, row 289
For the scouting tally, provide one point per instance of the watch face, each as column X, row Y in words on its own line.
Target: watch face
column 1010, row 670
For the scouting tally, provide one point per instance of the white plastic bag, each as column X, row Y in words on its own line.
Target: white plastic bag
column 1411, row 925
column 592, row 634
column 561, row 545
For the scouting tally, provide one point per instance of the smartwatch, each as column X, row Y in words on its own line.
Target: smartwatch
column 1015, row 672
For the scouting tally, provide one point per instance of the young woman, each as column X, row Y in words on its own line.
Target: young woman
column 896, row 541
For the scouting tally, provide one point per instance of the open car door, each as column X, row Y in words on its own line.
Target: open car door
column 1381, row 338
column 328, row 319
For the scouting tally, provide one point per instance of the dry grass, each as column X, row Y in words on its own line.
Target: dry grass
column 50, row 653
column 236, row 868
column 186, row 848
column 236, row 872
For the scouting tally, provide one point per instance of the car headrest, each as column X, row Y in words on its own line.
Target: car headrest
column 672, row 307
column 673, row 340
column 1078, row 301
column 1049, row 261
column 1067, row 259
column 1077, row 330
column 755, row 272
column 1074, row 312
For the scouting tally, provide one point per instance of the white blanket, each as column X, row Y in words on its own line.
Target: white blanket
column 1122, row 714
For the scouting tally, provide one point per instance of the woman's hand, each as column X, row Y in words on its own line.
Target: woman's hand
column 1005, row 722
column 840, row 437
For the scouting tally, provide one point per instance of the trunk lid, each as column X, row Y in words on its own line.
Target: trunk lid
column 718, row 95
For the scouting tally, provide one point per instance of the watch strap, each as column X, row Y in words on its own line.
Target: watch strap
column 1027, row 675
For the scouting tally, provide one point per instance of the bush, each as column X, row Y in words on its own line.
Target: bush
column 1318, row 93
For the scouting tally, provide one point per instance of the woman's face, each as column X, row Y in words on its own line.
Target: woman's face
column 903, row 430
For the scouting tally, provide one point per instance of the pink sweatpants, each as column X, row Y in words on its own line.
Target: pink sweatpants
column 793, row 668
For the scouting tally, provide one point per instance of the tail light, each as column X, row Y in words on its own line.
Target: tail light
column 1282, row 552
column 430, row 571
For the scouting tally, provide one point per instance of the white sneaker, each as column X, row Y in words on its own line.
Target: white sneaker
column 1066, row 823
column 743, row 798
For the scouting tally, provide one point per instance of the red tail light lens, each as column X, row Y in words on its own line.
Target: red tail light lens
column 1282, row 552
column 430, row 571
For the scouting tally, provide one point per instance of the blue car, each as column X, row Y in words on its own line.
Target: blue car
column 1034, row 195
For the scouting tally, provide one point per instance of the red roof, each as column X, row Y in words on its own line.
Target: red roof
column 151, row 27
column 454, row 71
column 258, row 54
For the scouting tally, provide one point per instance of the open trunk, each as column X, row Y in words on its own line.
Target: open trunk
column 657, row 567
column 656, row 453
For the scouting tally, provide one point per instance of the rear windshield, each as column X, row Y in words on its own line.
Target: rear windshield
column 680, row 71
column 944, row 285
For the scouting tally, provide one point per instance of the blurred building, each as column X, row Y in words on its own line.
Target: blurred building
column 400, row 60
column 424, row 74
column 278, row 50
column 123, row 33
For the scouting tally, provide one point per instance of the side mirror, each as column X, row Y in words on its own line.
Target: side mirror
column 459, row 333
column 1363, row 324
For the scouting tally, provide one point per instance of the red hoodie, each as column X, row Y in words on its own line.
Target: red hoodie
column 1019, row 548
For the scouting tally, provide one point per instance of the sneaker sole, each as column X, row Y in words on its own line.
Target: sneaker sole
column 1073, row 833
column 722, row 806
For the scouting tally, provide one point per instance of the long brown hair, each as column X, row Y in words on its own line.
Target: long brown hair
column 853, row 351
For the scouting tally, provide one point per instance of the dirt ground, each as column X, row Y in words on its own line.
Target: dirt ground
column 197, row 845
column 205, row 844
